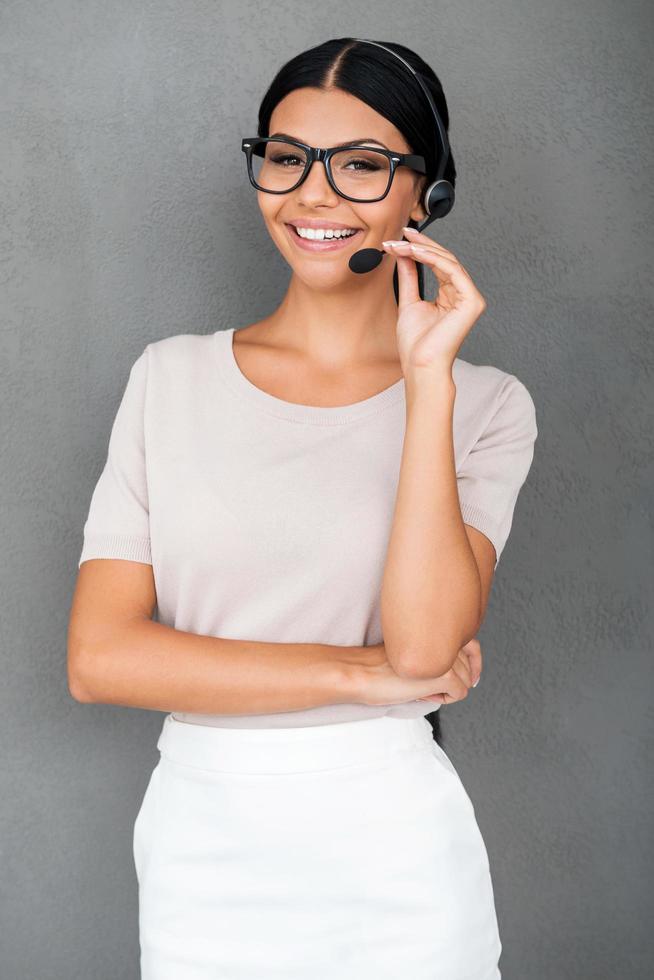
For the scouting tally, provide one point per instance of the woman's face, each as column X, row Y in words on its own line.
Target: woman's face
column 328, row 118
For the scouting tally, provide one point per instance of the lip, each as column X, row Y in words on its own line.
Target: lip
column 328, row 245
column 319, row 223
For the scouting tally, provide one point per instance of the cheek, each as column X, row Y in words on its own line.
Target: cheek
column 269, row 205
column 400, row 199
column 386, row 217
column 274, row 226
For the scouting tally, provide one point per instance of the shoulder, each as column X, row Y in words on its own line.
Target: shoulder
column 180, row 347
column 485, row 392
column 182, row 355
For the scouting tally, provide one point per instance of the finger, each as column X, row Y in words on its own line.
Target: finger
column 419, row 237
column 461, row 667
column 446, row 269
column 457, row 687
column 407, row 273
column 453, row 688
column 453, row 280
column 473, row 649
column 474, row 659
column 462, row 684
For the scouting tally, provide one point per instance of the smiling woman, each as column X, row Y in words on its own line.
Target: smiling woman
column 318, row 502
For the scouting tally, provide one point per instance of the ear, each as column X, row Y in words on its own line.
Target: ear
column 418, row 212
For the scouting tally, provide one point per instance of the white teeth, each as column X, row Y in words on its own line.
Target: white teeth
column 320, row 234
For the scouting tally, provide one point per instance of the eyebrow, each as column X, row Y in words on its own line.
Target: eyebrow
column 362, row 139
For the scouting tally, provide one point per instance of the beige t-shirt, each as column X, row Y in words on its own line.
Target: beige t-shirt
column 267, row 520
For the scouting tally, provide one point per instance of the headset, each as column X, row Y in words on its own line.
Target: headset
column 438, row 199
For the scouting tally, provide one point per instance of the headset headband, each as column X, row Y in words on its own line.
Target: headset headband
column 443, row 146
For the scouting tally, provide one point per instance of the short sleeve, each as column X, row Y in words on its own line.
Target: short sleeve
column 118, row 524
column 494, row 471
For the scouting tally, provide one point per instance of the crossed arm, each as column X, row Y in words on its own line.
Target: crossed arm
column 118, row 655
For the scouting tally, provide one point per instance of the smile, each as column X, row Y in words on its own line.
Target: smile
column 322, row 245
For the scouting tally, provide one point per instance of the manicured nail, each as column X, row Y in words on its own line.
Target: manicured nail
column 476, row 682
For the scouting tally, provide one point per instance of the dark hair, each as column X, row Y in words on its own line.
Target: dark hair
column 381, row 81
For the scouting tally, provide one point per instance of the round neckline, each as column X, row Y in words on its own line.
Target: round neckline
column 294, row 412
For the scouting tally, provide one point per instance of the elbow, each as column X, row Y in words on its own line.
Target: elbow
column 77, row 691
column 422, row 665
column 78, row 685
column 417, row 659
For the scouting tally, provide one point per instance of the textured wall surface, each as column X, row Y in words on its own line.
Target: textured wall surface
column 127, row 216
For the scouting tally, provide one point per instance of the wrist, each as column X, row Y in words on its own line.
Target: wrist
column 350, row 682
column 353, row 671
column 430, row 385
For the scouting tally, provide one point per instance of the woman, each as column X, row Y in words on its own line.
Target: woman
column 316, row 504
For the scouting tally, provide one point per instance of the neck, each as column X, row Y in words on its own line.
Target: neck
column 346, row 328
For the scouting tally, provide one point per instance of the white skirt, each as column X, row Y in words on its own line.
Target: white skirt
column 338, row 852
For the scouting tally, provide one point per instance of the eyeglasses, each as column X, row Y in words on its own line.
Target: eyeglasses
column 358, row 173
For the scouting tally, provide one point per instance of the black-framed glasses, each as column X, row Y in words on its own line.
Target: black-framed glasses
column 360, row 173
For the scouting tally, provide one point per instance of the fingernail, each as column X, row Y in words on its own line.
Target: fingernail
column 476, row 682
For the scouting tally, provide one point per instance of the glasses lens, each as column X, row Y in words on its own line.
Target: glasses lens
column 277, row 166
column 361, row 173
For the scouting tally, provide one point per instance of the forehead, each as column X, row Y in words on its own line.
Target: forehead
column 329, row 117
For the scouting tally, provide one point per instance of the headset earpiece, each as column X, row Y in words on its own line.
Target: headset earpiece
column 438, row 199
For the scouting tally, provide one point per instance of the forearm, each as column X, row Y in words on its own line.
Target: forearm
column 431, row 590
column 146, row 664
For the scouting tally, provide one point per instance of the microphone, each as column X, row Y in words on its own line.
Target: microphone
column 366, row 259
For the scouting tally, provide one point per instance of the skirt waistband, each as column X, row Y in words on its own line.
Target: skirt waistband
column 279, row 750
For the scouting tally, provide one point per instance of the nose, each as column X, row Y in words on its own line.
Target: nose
column 315, row 187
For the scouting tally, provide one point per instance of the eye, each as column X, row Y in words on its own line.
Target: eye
column 361, row 164
column 286, row 160
column 360, row 161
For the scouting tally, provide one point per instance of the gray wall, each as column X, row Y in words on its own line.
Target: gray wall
column 127, row 217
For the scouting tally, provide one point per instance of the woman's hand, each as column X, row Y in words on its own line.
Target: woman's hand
column 429, row 335
column 381, row 685
column 472, row 650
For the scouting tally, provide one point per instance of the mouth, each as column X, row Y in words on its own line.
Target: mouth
column 326, row 245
